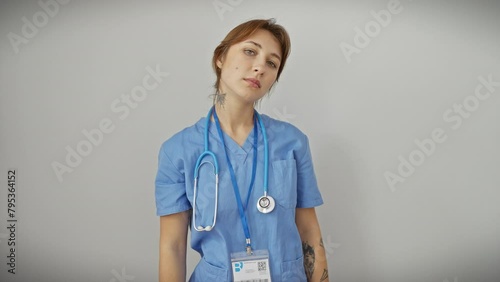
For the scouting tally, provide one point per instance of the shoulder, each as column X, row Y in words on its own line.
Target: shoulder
column 180, row 138
column 287, row 140
column 283, row 128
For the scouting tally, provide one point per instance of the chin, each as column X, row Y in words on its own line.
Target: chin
column 252, row 97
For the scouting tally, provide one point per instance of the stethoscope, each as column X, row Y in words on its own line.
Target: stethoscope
column 265, row 204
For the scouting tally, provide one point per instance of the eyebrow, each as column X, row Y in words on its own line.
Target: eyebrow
column 260, row 46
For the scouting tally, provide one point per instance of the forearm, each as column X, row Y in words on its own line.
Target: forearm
column 173, row 243
column 315, row 263
column 172, row 265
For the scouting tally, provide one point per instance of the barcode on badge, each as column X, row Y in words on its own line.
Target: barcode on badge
column 262, row 266
column 254, row 280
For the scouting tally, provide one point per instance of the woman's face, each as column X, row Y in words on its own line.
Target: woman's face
column 250, row 67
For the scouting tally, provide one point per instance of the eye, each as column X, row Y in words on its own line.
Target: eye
column 249, row 52
column 272, row 64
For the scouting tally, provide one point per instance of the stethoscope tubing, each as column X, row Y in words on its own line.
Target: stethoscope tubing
column 215, row 165
column 266, row 152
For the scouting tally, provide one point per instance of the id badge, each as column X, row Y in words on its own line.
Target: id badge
column 253, row 267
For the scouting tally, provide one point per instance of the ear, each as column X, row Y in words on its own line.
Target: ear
column 221, row 59
column 219, row 63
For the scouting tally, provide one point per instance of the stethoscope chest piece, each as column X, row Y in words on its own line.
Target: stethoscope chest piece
column 265, row 204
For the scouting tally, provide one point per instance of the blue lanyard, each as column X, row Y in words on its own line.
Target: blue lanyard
column 241, row 208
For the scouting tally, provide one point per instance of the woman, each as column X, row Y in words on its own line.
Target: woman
column 236, row 238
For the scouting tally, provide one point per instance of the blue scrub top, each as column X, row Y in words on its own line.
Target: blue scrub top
column 292, row 183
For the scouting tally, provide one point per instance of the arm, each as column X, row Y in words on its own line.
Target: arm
column 315, row 262
column 173, row 242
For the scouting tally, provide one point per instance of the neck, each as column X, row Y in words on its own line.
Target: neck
column 235, row 117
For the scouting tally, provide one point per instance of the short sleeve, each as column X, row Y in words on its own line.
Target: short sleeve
column 170, row 187
column 308, row 194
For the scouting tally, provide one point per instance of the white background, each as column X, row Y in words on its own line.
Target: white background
column 99, row 224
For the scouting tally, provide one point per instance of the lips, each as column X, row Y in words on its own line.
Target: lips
column 253, row 82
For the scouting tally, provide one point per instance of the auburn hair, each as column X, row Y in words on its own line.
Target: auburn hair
column 243, row 31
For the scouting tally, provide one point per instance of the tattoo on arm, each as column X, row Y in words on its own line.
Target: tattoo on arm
column 309, row 258
column 324, row 276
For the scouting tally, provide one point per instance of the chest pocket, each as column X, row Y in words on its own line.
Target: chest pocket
column 284, row 183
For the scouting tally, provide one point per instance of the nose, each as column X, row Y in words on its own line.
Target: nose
column 258, row 67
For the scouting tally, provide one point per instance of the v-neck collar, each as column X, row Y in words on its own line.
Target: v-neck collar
column 232, row 145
